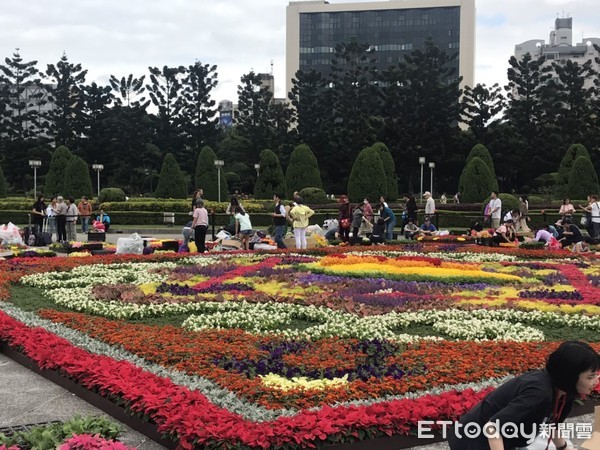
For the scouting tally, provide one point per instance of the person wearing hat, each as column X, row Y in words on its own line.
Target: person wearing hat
column 85, row 211
column 427, row 228
column 429, row 205
column 513, row 414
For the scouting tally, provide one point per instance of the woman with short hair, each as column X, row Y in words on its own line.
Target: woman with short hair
column 527, row 400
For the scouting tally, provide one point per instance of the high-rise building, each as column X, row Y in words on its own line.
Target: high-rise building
column 560, row 48
column 391, row 28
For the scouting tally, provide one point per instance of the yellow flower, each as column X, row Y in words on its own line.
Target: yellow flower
column 285, row 384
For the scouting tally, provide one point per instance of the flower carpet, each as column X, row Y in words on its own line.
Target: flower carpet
column 292, row 350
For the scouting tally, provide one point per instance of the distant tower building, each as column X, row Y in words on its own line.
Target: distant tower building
column 226, row 113
column 560, row 48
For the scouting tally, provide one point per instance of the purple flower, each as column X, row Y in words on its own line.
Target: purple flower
column 551, row 293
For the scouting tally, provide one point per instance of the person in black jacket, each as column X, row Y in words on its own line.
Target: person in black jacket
column 528, row 401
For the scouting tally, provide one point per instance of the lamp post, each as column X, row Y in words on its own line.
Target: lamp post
column 219, row 163
column 98, row 168
column 422, row 162
column 35, row 164
column 431, row 167
column 257, row 167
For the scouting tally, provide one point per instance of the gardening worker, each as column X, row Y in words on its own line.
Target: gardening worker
column 512, row 415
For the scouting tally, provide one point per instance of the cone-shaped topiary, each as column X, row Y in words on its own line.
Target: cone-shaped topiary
column 390, row 171
column 171, row 183
column 583, row 180
column 367, row 178
column 271, row 179
column 55, row 178
column 477, row 181
column 302, row 170
column 564, row 170
column 206, row 176
column 3, row 185
column 77, row 179
column 481, row 152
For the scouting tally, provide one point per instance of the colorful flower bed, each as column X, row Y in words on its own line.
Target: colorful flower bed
column 286, row 350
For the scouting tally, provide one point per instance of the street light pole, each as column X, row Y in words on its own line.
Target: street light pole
column 257, row 167
column 34, row 164
column 98, row 168
column 431, row 167
column 422, row 162
column 219, row 163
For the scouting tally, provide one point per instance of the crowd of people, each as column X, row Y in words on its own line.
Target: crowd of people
column 378, row 223
column 60, row 216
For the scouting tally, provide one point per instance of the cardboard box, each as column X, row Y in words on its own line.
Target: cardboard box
column 291, row 242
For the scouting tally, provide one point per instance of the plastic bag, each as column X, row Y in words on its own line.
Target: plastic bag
column 133, row 245
column 10, row 234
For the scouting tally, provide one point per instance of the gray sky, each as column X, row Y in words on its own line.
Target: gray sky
column 120, row 37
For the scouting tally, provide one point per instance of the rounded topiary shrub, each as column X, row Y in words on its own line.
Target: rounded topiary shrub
column 583, row 180
column 480, row 151
column 313, row 195
column 302, row 171
column 111, row 195
column 477, row 181
column 367, row 178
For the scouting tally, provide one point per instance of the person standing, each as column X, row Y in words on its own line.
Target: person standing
column 61, row 219
column 85, row 211
column 411, row 209
column 495, row 209
column 196, row 196
column 345, row 218
column 367, row 224
column 38, row 212
column 521, row 225
column 243, row 226
column 389, row 219
column 429, row 205
column 72, row 214
column 279, row 222
column 595, row 211
column 357, row 220
column 300, row 214
column 566, row 209
column 200, row 225
column 51, row 214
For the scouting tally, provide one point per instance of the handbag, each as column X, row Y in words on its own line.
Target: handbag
column 345, row 223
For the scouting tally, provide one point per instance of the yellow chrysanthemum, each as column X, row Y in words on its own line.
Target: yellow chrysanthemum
column 285, row 384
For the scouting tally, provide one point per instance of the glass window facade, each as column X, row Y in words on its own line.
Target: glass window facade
column 390, row 33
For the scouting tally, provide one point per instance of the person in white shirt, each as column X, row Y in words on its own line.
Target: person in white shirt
column 243, row 226
column 429, row 205
column 595, row 210
column 495, row 209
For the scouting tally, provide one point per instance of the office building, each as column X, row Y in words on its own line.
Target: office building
column 391, row 28
column 560, row 48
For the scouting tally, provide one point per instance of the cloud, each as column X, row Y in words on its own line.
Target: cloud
column 122, row 37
